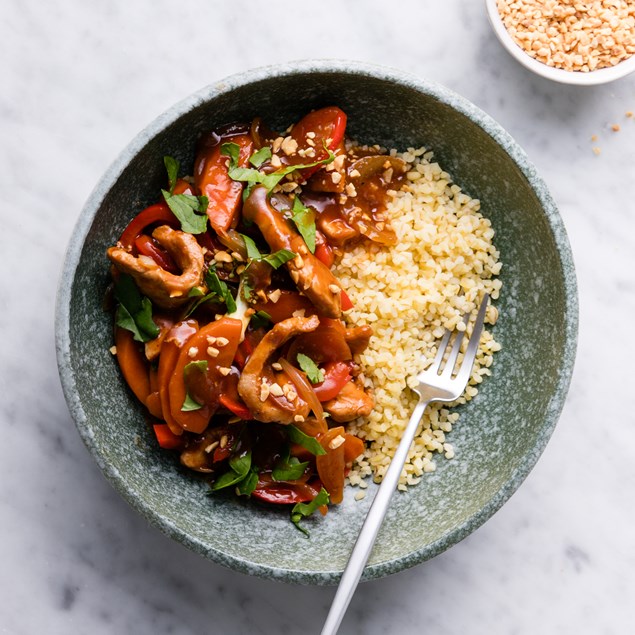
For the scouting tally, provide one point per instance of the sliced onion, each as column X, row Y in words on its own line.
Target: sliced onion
column 375, row 164
column 312, row 427
column 233, row 241
column 303, row 388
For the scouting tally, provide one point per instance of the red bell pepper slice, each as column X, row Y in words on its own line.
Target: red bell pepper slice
column 324, row 254
column 336, row 375
column 237, row 407
column 230, row 399
column 148, row 247
column 346, row 301
column 285, row 493
column 212, row 179
column 328, row 125
column 166, row 438
column 155, row 214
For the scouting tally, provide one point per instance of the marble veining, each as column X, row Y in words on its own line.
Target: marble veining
column 79, row 81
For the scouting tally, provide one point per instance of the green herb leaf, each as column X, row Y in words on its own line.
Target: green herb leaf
column 219, row 288
column 304, row 219
column 288, row 469
column 252, row 250
column 303, row 510
column 260, row 318
column 315, row 375
column 134, row 312
column 202, row 299
column 200, row 365
column 185, row 208
column 260, row 156
column 189, row 403
column 240, row 465
column 124, row 320
column 252, row 176
column 247, row 287
column 275, row 260
column 308, row 443
column 172, row 166
column 278, row 258
column 231, row 150
column 248, row 484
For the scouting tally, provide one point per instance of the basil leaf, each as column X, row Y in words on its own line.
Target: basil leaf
column 253, row 176
column 189, row 404
column 241, row 463
column 304, row 219
column 172, row 166
column 202, row 299
column 260, row 318
column 200, row 365
column 231, row 150
column 303, row 510
column 220, row 288
column 280, row 174
column 308, row 443
column 226, row 480
column 248, row 484
column 278, row 258
column 124, row 320
column 185, row 208
column 239, row 469
column 315, row 375
column 288, row 469
column 134, row 312
column 260, row 156
column 252, row 250
column 144, row 319
column 248, row 289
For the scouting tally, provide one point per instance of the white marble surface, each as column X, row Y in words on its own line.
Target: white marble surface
column 77, row 81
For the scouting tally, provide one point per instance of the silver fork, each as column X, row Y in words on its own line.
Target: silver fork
column 435, row 384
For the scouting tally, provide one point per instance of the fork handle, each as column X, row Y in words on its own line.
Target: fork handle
column 372, row 524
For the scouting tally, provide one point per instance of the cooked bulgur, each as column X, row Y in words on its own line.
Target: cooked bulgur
column 410, row 294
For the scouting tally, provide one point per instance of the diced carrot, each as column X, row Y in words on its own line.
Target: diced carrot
column 353, row 447
column 153, row 404
column 330, row 466
column 203, row 386
column 133, row 363
column 170, row 350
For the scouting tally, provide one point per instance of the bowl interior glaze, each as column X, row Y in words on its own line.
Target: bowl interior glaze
column 500, row 434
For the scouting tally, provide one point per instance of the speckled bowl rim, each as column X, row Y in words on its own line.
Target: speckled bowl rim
column 576, row 78
column 443, row 95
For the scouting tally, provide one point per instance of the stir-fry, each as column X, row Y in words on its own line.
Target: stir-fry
column 229, row 321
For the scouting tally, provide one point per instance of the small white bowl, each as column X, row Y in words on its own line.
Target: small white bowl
column 591, row 78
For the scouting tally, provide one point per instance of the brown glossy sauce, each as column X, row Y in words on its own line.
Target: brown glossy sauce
column 343, row 218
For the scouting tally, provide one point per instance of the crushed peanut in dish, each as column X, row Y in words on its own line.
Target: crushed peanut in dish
column 571, row 34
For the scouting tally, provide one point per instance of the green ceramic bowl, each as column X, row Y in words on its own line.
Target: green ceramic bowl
column 501, row 433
